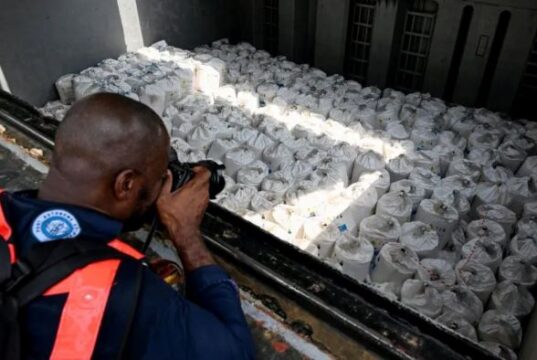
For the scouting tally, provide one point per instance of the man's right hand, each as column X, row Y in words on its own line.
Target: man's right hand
column 181, row 212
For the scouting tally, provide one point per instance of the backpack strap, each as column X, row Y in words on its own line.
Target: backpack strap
column 49, row 263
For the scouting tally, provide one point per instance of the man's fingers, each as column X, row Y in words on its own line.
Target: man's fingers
column 201, row 176
column 167, row 187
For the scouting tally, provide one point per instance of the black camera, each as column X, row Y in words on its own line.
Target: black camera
column 182, row 173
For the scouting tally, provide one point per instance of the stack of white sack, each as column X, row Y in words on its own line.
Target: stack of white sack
column 321, row 152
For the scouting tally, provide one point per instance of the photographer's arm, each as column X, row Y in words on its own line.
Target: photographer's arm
column 207, row 284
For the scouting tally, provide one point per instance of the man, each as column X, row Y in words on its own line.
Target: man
column 109, row 168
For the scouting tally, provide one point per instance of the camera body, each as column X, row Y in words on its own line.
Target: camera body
column 182, row 173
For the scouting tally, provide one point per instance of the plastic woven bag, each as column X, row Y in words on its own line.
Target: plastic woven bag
column 354, row 256
column 437, row 273
column 458, row 324
column 462, row 301
column 476, row 277
column 500, row 327
column 421, row 238
column 379, row 230
column 518, row 271
column 421, row 297
column 394, row 264
column 395, row 204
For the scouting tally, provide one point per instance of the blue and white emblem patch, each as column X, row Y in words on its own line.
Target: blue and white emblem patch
column 55, row 225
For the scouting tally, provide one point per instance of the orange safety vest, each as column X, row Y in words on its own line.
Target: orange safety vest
column 87, row 292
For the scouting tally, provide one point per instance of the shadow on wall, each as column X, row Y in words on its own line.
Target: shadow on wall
column 42, row 41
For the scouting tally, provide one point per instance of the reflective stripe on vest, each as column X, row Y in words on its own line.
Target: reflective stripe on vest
column 6, row 232
column 88, row 290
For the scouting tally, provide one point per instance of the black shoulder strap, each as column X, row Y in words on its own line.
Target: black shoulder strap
column 49, row 263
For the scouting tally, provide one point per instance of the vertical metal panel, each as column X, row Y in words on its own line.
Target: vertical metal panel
column 527, row 92
column 270, row 25
column 361, row 21
column 415, row 45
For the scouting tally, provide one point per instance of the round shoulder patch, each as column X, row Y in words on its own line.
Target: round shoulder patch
column 55, row 225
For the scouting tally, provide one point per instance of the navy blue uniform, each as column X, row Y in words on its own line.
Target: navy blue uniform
column 207, row 324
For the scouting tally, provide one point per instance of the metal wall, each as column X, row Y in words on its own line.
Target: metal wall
column 485, row 74
column 42, row 40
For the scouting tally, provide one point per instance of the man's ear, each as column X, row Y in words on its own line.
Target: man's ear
column 125, row 186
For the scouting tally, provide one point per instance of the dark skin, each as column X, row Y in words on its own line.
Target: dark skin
column 111, row 155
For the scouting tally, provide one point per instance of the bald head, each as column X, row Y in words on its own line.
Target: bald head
column 104, row 133
column 107, row 145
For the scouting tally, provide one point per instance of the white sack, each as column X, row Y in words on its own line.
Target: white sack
column 379, row 230
column 466, row 168
column 512, row 299
column 437, row 273
column 424, row 138
column 220, row 147
column 238, row 158
column 64, row 86
column 483, row 251
column 245, row 135
column 395, row 263
column 528, row 167
column 527, row 226
column 299, row 169
column 491, row 193
column 443, row 217
column 395, row 204
column 501, row 328
column 476, row 277
column 522, row 190
column 354, row 257
column 425, row 179
column 421, row 297
column 461, row 183
column 346, row 153
column 458, row 324
column 511, row 156
column 499, row 214
column 518, row 271
column 530, row 209
column 495, row 173
column 427, row 159
column 499, row 350
column 263, row 201
column 278, row 182
column 453, row 198
column 463, row 302
column 415, row 192
column 400, row 167
column 366, row 162
column 525, row 247
column 153, row 96
column 380, row 180
column 487, row 229
column 253, row 174
column 420, row 237
column 277, row 155
column 259, row 144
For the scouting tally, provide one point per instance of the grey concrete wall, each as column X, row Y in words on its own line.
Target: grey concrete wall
column 42, row 40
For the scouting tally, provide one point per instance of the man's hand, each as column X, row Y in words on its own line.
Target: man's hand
column 181, row 212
